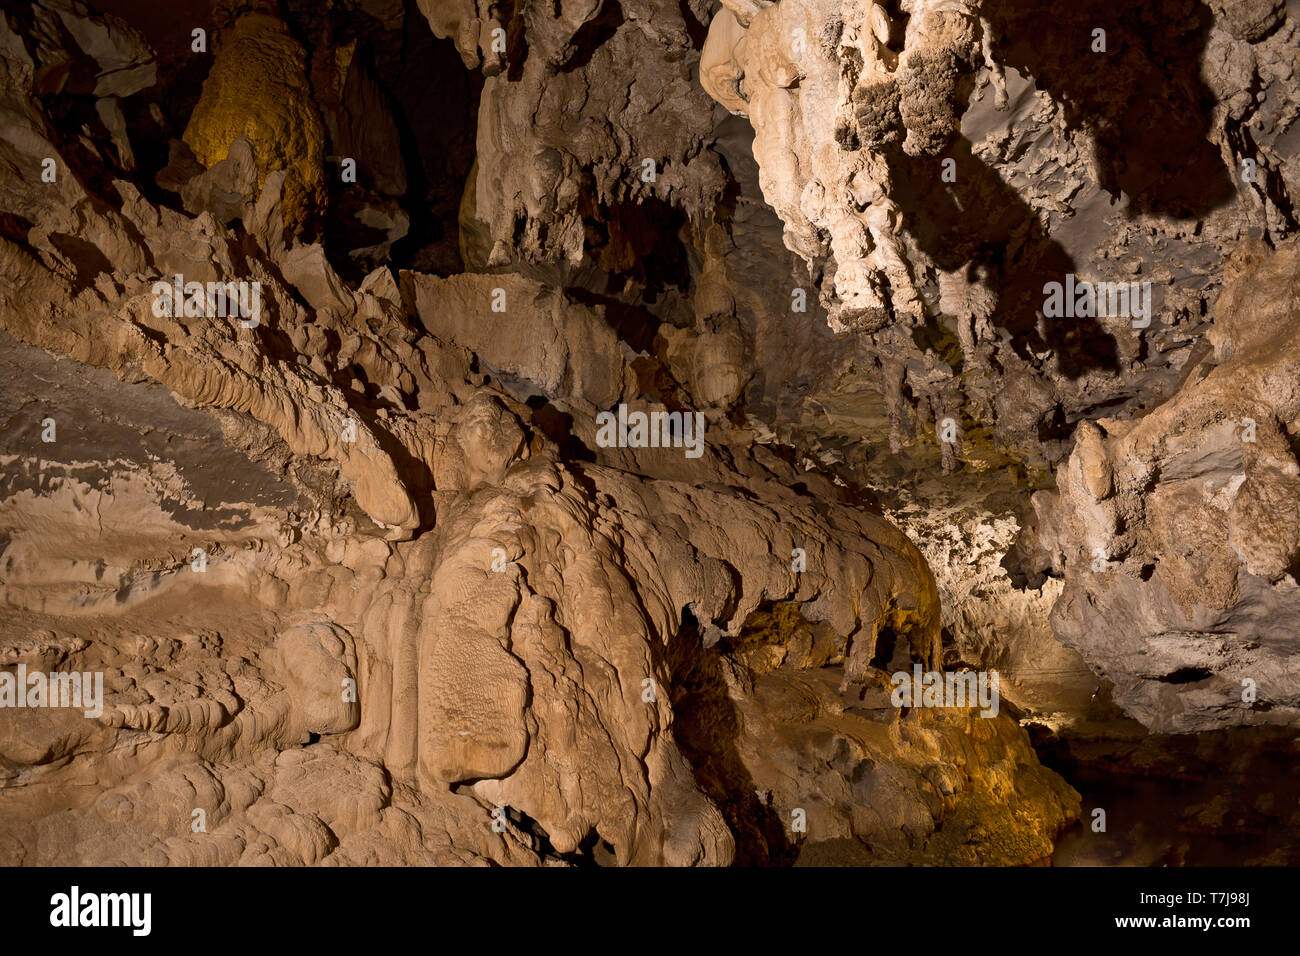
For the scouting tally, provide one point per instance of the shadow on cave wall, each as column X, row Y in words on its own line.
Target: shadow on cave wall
column 1143, row 99
column 980, row 221
column 705, row 727
column 1148, row 109
column 436, row 109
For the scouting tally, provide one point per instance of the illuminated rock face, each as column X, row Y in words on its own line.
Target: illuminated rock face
column 846, row 96
column 864, row 113
column 938, row 165
column 343, row 485
column 826, row 95
column 529, row 644
column 398, row 569
column 545, row 170
column 258, row 89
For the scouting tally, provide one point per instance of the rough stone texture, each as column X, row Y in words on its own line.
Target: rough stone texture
column 437, row 621
column 543, row 167
column 993, row 619
column 858, row 116
column 518, row 610
column 258, row 90
column 1178, row 526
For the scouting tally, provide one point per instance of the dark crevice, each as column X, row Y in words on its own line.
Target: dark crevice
column 706, row 725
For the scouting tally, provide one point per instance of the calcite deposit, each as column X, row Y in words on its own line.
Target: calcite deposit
column 316, row 322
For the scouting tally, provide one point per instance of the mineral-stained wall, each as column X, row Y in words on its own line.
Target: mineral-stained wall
column 258, row 90
column 340, row 521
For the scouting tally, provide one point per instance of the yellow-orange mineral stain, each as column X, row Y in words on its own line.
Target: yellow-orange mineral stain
column 258, row 89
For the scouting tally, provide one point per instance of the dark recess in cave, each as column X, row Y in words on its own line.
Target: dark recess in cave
column 705, row 726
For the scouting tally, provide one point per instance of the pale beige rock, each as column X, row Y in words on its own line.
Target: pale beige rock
column 561, row 652
column 317, row 663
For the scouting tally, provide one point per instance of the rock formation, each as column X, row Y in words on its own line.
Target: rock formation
column 549, row 434
column 1184, row 524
